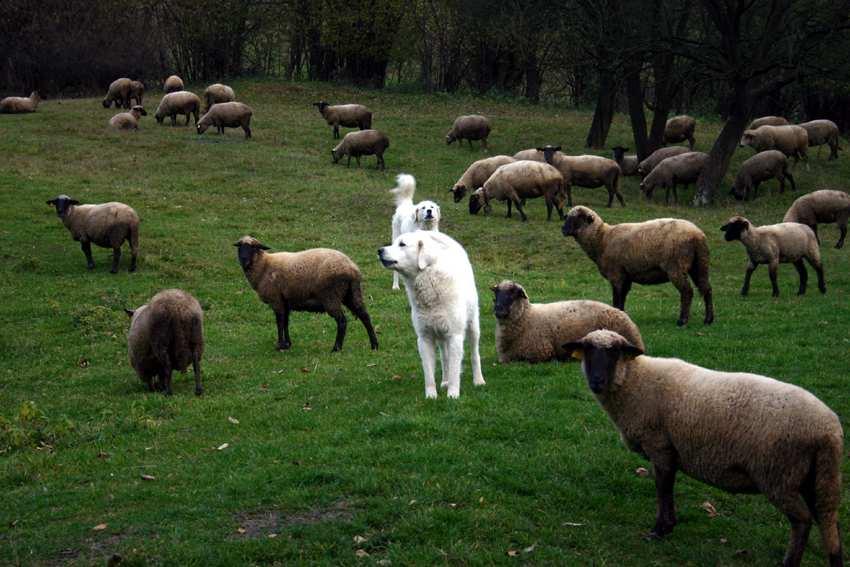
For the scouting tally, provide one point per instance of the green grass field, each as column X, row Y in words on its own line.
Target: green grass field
column 338, row 458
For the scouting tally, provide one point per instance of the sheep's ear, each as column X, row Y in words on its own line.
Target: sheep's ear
column 73, row 202
column 129, row 312
column 629, row 349
column 494, row 288
column 539, row 149
column 724, row 228
column 237, row 244
column 574, row 350
column 51, row 202
column 263, row 247
column 557, row 148
column 522, row 292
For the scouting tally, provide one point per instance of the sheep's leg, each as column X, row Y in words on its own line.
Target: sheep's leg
column 569, row 189
column 86, row 246
column 341, row 325
column 686, row 296
column 772, row 270
column 428, row 354
column 453, row 353
column 282, row 320
column 381, row 161
column 165, row 373
column 549, row 208
column 247, row 131
column 486, row 148
column 510, row 204
column 665, row 479
column 691, row 143
column 610, row 197
column 174, row 119
column 816, row 264
column 814, row 228
column 791, row 179
column 355, row 303
column 749, row 274
column 842, row 231
column 348, row 163
column 196, row 367
column 699, row 275
column 621, row 289
column 781, row 179
column 357, row 157
column 804, row 276
column 520, row 211
column 795, row 509
column 336, row 131
column 833, row 150
column 473, row 336
column 116, row 259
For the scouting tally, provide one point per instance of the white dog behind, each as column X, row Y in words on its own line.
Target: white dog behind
column 443, row 301
column 409, row 217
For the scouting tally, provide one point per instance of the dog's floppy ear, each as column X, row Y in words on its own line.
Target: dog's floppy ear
column 421, row 260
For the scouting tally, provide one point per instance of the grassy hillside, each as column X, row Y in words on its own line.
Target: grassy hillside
column 312, row 457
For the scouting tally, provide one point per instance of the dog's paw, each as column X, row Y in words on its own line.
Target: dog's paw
column 431, row 393
column 444, row 384
column 479, row 381
column 454, row 393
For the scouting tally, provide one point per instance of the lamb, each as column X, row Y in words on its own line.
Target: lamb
column 348, row 115
column 651, row 252
column 515, row 182
column 469, row 127
column 172, row 84
column 646, row 166
column 19, row 104
column 180, row 102
column 319, row 280
column 362, row 143
column 218, row 93
column 628, row 163
column 128, row 120
column 787, row 242
column 682, row 169
column 119, row 93
column 137, row 91
column 476, row 174
column 761, row 167
column 532, row 154
column 166, row 334
column 585, row 171
column 790, row 140
column 824, row 206
column 537, row 332
column 106, row 225
column 680, row 128
column 227, row 114
column 740, row 432
column 823, row 132
column 768, row 121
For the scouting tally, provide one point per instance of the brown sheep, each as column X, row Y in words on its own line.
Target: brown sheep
column 19, row 104
column 823, row 132
column 476, row 174
column 765, row 165
column 515, row 182
column 128, row 120
column 348, row 115
column 768, row 121
column 680, row 128
column 172, row 84
column 119, row 93
column 469, row 127
column 628, row 163
column 819, row 207
column 681, row 169
column 585, row 171
column 790, row 140
column 229, row 115
column 180, row 102
column 646, row 166
column 362, row 143
column 218, row 93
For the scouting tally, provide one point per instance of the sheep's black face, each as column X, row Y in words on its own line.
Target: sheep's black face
column 737, row 193
column 619, row 152
column 504, row 298
column 458, row 191
column 475, row 203
column 63, row 204
column 575, row 222
column 449, row 139
column 733, row 230
column 247, row 250
column 107, row 103
column 599, row 366
column 321, row 105
column 549, row 152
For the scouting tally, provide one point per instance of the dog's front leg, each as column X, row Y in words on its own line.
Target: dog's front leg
column 472, row 336
column 444, row 382
column 453, row 354
column 428, row 354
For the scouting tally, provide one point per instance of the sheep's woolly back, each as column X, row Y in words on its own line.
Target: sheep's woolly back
column 768, row 121
column 760, row 167
column 783, row 242
column 173, row 84
column 822, row 206
column 218, row 93
column 586, row 170
column 525, row 178
column 362, row 142
column 229, row 114
column 348, row 115
column 470, row 127
column 679, row 128
column 531, row 154
column 790, row 140
column 180, row 102
column 20, row 105
column 480, row 171
column 659, row 155
column 106, row 224
column 821, row 132
column 678, row 169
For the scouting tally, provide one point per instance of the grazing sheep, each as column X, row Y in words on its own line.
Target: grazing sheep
column 682, row 169
column 218, row 93
column 739, row 432
column 761, row 167
column 476, row 174
column 180, row 102
column 172, row 84
column 646, row 166
column 128, row 120
column 532, row 154
column 106, row 225
column 768, row 121
column 818, row 207
column 362, row 143
column 19, row 104
column 537, row 332
column 651, row 252
column 348, row 115
column 823, row 132
column 119, row 93
column 227, row 115
column 790, row 140
column 470, row 127
column 628, row 164
column 319, row 280
column 787, row 242
column 137, row 91
column 166, row 334
column 585, row 171
column 515, row 182
column 680, row 128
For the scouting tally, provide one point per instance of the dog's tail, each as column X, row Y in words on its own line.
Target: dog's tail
column 404, row 189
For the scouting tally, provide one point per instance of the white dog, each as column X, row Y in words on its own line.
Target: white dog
column 443, row 303
column 409, row 217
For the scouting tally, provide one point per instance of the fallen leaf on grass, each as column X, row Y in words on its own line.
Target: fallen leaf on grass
column 148, row 477
column 709, row 508
column 395, row 377
column 358, row 539
column 233, row 420
column 99, row 527
column 83, row 363
column 724, row 540
column 371, row 364
column 572, row 524
column 305, row 370
column 272, row 536
column 307, row 407
column 530, row 548
column 223, row 446
column 642, row 472
column 240, row 530
column 513, row 552
column 103, row 455
column 361, row 553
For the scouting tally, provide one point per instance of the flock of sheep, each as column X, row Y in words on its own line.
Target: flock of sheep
column 740, row 432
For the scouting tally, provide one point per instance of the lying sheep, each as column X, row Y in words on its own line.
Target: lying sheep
column 585, row 171
column 106, row 225
column 761, row 167
column 818, row 207
column 787, row 242
column 628, row 164
column 128, row 120
column 227, row 115
column 19, row 104
column 362, row 143
column 823, row 132
column 166, row 334
column 768, row 121
column 515, row 182
column 680, row 128
column 532, row 154
column 172, row 84
column 646, row 166
column 651, row 252
column 180, row 102
column 137, row 91
column 319, row 280
column 119, row 93
column 348, row 115
column 476, row 174
column 218, row 93
column 790, row 140
column 537, row 332
column 682, row 169
column 739, row 432
column 469, row 127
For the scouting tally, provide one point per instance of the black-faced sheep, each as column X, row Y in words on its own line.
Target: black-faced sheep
column 823, row 132
column 651, row 252
column 585, row 171
column 787, row 242
column 106, row 225
column 768, row 121
column 628, row 163
column 646, row 166
column 740, row 432
column 180, row 102
column 218, row 93
column 319, row 280
column 172, row 84
column 793, row 141
column 166, row 334
column 348, row 115
column 765, row 165
column 515, row 182
column 19, row 104
column 128, row 120
column 119, row 93
column 362, row 143
column 680, row 128
column 477, row 174
column 227, row 115
column 682, row 169
column 469, row 127
column 819, row 207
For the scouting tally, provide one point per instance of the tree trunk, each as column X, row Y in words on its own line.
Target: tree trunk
column 532, row 78
column 634, row 93
column 723, row 148
column 604, row 112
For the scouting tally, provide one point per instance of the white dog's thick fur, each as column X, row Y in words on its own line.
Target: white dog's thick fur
column 443, row 301
column 409, row 217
